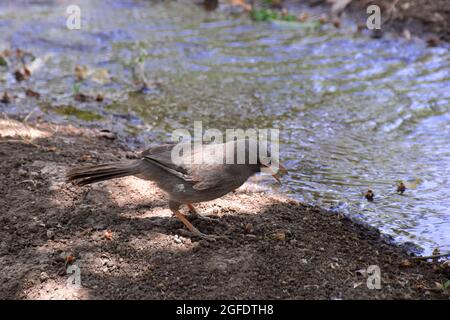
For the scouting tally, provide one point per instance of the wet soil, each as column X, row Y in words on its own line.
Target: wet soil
column 122, row 238
column 428, row 19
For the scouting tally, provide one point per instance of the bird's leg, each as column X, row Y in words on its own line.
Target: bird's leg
column 196, row 215
column 191, row 228
column 192, row 210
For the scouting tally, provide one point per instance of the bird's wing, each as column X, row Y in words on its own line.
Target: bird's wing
column 210, row 176
column 161, row 156
column 203, row 176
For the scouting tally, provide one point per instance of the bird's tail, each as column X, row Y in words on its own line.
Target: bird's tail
column 96, row 173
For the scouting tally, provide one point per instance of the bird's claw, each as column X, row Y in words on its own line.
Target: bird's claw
column 208, row 237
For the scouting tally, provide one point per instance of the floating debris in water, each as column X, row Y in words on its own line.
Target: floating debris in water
column 21, row 75
column 433, row 41
column 303, row 17
column 3, row 61
column 99, row 97
column 32, row 94
column 5, row 98
column 369, row 195
column 210, row 5
column 336, row 23
column 401, row 187
column 81, row 97
column 81, row 72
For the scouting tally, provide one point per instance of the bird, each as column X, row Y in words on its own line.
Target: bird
column 188, row 173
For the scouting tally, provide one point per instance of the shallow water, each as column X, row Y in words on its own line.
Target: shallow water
column 354, row 113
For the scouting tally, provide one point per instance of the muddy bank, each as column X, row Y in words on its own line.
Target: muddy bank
column 121, row 236
column 429, row 19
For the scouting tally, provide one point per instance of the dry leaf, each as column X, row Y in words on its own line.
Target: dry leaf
column 405, row 264
column 32, row 94
column 108, row 234
column 86, row 157
column 248, row 228
column 81, row 72
column 280, row 236
column 70, row 259
column 242, row 4
column 101, row 76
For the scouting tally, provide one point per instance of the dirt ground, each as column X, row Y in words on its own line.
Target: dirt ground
column 121, row 236
column 429, row 19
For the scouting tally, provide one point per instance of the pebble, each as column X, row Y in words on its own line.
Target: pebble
column 50, row 234
column 43, row 276
column 176, row 239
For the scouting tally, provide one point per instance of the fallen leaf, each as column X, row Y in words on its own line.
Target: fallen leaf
column 303, row 17
column 405, row 264
column 86, row 157
column 101, row 76
column 81, row 97
column 32, row 94
column 108, row 234
column 70, row 259
column 280, row 236
column 81, row 72
column 248, row 228
column 242, row 4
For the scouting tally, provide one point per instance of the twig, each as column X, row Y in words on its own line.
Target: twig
column 432, row 257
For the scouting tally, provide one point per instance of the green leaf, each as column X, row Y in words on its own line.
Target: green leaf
column 3, row 61
column 447, row 284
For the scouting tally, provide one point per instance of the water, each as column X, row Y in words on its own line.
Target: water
column 354, row 113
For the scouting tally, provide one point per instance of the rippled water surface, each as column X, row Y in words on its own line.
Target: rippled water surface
column 354, row 113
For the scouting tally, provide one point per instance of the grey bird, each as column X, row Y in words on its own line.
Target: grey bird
column 187, row 173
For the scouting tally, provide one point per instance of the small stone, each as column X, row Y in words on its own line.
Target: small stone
column 43, row 276
column 50, row 234
column 34, row 174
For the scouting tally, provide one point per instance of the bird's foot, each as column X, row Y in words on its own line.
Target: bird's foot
column 198, row 234
column 194, row 231
column 208, row 219
column 203, row 236
column 194, row 214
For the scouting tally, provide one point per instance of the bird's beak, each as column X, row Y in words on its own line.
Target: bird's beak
column 275, row 175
